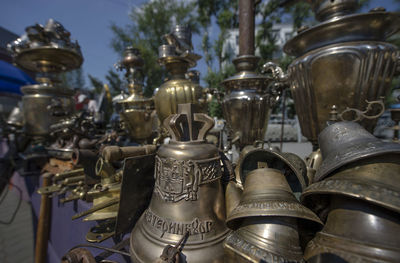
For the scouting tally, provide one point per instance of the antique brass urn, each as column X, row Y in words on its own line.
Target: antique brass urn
column 46, row 50
column 188, row 198
column 136, row 111
column 249, row 96
column 177, row 56
column 344, row 61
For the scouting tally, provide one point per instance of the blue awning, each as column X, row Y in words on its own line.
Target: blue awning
column 12, row 78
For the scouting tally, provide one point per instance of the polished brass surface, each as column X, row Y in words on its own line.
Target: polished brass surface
column 358, row 232
column 136, row 111
column 267, row 193
column 291, row 165
column 343, row 143
column 264, row 239
column 313, row 162
column 178, row 57
column 187, row 196
column 343, row 61
column 376, row 181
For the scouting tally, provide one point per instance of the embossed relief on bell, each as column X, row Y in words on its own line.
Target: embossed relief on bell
column 177, row 180
column 188, row 194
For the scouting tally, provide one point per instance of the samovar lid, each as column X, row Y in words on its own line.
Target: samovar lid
column 46, row 49
column 373, row 26
column 345, row 142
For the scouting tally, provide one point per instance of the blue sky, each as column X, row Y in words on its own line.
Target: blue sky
column 89, row 23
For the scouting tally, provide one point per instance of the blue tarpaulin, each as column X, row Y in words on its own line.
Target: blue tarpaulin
column 12, row 78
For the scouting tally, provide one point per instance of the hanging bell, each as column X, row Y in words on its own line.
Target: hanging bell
column 188, row 195
column 266, row 221
column 290, row 164
column 343, row 143
column 356, row 231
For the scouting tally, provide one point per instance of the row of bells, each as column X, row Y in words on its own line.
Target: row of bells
column 271, row 211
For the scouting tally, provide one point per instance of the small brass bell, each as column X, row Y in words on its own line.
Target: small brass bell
column 187, row 197
column 266, row 221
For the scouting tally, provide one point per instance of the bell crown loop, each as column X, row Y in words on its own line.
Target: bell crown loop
column 188, row 125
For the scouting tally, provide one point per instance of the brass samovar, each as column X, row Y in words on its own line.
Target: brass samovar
column 249, row 96
column 136, row 111
column 343, row 61
column 177, row 57
column 47, row 50
column 187, row 207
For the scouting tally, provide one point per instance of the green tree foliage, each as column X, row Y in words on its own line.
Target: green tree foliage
column 149, row 23
column 97, row 84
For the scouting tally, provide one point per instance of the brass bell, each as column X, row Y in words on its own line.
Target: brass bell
column 267, row 220
column 290, row 164
column 377, row 182
column 357, row 231
column 343, row 143
column 188, row 195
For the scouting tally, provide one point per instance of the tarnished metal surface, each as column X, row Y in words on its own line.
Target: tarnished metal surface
column 358, row 232
column 266, row 221
column 346, row 142
column 267, row 193
column 188, row 195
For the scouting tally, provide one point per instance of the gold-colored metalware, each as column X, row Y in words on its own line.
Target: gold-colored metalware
column 267, row 221
column 177, row 57
column 343, row 61
column 136, row 111
column 343, row 143
column 356, row 231
column 46, row 50
column 187, row 197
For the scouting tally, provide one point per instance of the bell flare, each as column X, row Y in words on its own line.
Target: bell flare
column 267, row 193
column 343, row 143
column 376, row 183
column 358, row 232
column 264, row 239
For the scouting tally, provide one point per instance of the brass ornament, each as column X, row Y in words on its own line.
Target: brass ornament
column 187, row 196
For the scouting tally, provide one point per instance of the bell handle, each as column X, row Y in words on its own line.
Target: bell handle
column 208, row 124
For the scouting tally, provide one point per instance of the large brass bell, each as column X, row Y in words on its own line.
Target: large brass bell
column 188, row 196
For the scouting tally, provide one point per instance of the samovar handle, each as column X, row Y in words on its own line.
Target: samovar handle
column 276, row 72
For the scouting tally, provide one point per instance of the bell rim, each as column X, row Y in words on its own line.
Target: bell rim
column 380, row 195
column 347, row 248
column 279, row 209
column 371, row 148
